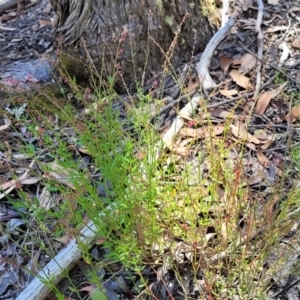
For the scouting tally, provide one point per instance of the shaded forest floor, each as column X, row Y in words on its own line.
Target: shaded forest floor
column 211, row 212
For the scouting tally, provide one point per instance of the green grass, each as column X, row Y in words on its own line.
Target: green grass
column 149, row 212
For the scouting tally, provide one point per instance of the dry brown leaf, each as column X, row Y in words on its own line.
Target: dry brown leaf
column 295, row 113
column 225, row 63
column 219, row 112
column 241, row 133
column 202, row 133
column 268, row 143
column 236, row 62
column 248, row 62
column 240, row 79
column 249, row 145
column 262, row 103
column 4, row 126
column 264, row 161
column 140, row 155
column 66, row 239
column 59, row 173
column 265, row 98
column 296, row 44
column 8, row 184
column 170, row 144
column 44, row 23
column 277, row 91
column 228, row 93
column 31, row 180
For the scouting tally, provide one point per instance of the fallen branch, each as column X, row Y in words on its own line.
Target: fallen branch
column 202, row 65
column 204, row 78
column 64, row 260
column 7, row 4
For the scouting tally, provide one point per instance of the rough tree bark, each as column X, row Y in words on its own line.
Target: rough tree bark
column 130, row 38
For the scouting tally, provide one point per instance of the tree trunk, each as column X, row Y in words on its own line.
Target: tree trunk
column 129, row 39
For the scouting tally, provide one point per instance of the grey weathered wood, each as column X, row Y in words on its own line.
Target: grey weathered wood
column 131, row 38
column 203, row 64
column 64, row 260
column 7, row 4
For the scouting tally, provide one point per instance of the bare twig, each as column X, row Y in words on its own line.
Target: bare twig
column 259, row 15
column 224, row 12
column 202, row 65
column 64, row 260
column 260, row 43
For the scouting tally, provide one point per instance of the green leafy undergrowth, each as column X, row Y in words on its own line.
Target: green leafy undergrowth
column 197, row 217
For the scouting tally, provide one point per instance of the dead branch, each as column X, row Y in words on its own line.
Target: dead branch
column 64, row 260
column 7, row 4
column 204, row 78
column 202, row 65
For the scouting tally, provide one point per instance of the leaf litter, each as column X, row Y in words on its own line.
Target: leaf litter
column 229, row 123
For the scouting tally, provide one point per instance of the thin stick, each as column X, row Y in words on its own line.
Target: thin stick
column 260, row 44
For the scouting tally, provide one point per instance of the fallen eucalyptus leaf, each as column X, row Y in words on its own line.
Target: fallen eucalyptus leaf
column 240, row 79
